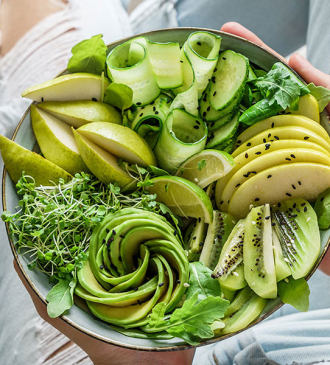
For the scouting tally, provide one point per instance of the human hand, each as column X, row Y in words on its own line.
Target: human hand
column 303, row 68
column 102, row 353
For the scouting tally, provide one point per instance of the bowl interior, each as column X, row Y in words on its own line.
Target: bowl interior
column 39, row 282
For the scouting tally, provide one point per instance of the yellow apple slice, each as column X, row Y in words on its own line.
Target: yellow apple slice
column 102, row 163
column 56, row 141
column 288, row 132
column 120, row 141
column 275, row 158
column 298, row 180
column 257, row 151
column 77, row 86
column 281, row 121
column 18, row 159
column 309, row 107
column 77, row 112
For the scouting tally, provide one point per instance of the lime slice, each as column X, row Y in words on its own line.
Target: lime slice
column 183, row 197
column 205, row 167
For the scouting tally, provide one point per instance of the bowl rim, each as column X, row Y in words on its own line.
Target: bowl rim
column 108, row 340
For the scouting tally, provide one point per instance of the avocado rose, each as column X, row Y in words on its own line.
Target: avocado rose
column 136, row 260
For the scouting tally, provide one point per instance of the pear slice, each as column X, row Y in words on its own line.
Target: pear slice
column 77, row 113
column 56, row 141
column 304, row 180
column 102, row 164
column 260, row 150
column 275, row 158
column 309, row 107
column 18, row 159
column 287, row 132
column 77, row 86
column 281, row 121
column 121, row 141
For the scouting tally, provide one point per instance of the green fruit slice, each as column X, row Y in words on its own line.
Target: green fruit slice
column 288, row 132
column 257, row 151
column 183, row 197
column 258, row 256
column 205, row 167
column 275, row 158
column 304, row 180
column 298, row 232
column 281, row 121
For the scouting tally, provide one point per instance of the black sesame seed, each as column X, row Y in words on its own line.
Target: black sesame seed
column 224, row 58
column 273, row 224
column 288, row 194
column 215, row 70
column 264, row 140
column 258, row 153
column 101, row 267
column 299, row 182
column 293, row 187
column 198, row 122
column 214, row 93
column 194, row 238
column 121, row 236
column 199, row 43
column 138, row 103
column 237, row 185
column 113, row 232
column 269, row 135
column 199, row 219
column 277, row 138
column 292, row 155
column 322, row 199
column 94, row 99
column 204, row 114
column 156, row 112
column 305, row 209
column 248, row 144
column 306, row 138
column 269, row 176
column 181, row 61
column 42, row 99
column 279, row 205
column 256, row 199
column 161, row 284
column 273, row 125
column 288, row 159
column 141, row 115
column 138, row 302
column 268, row 216
column 213, row 79
column 178, row 281
column 152, row 103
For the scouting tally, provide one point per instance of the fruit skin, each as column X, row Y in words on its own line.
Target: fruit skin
column 120, row 141
column 258, row 256
column 77, row 113
column 77, row 86
column 18, row 159
column 322, row 210
column 305, row 180
column 101, row 163
column 56, row 141
column 298, row 232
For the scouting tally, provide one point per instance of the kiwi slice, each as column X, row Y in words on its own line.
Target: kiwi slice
column 297, row 229
column 194, row 238
column 258, row 256
column 217, row 234
column 243, row 310
column 229, row 269
column 281, row 267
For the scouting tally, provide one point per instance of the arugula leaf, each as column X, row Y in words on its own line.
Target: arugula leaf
column 321, row 94
column 60, row 298
column 201, row 282
column 281, row 86
column 192, row 322
column 295, row 292
column 88, row 55
column 119, row 96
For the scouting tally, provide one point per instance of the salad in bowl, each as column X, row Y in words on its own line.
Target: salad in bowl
column 169, row 190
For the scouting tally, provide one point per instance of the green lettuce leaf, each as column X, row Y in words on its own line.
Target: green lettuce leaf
column 60, row 297
column 281, row 86
column 321, row 94
column 88, row 55
column 201, row 282
column 295, row 293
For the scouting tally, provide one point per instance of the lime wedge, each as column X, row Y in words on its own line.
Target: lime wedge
column 205, row 167
column 183, row 197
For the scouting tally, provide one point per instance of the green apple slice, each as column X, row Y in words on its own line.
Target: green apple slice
column 309, row 107
column 282, row 121
column 257, row 151
column 102, row 164
column 298, row 180
column 120, row 141
column 77, row 113
column 183, row 197
column 56, row 141
column 275, row 158
column 18, row 159
column 77, row 86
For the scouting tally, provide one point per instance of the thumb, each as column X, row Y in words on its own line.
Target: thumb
column 309, row 73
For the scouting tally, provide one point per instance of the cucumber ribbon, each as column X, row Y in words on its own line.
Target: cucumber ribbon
column 148, row 68
column 136, row 260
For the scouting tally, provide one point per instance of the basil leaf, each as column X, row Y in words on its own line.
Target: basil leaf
column 201, row 282
column 281, row 86
column 89, row 56
column 321, row 94
column 295, row 293
column 60, row 298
